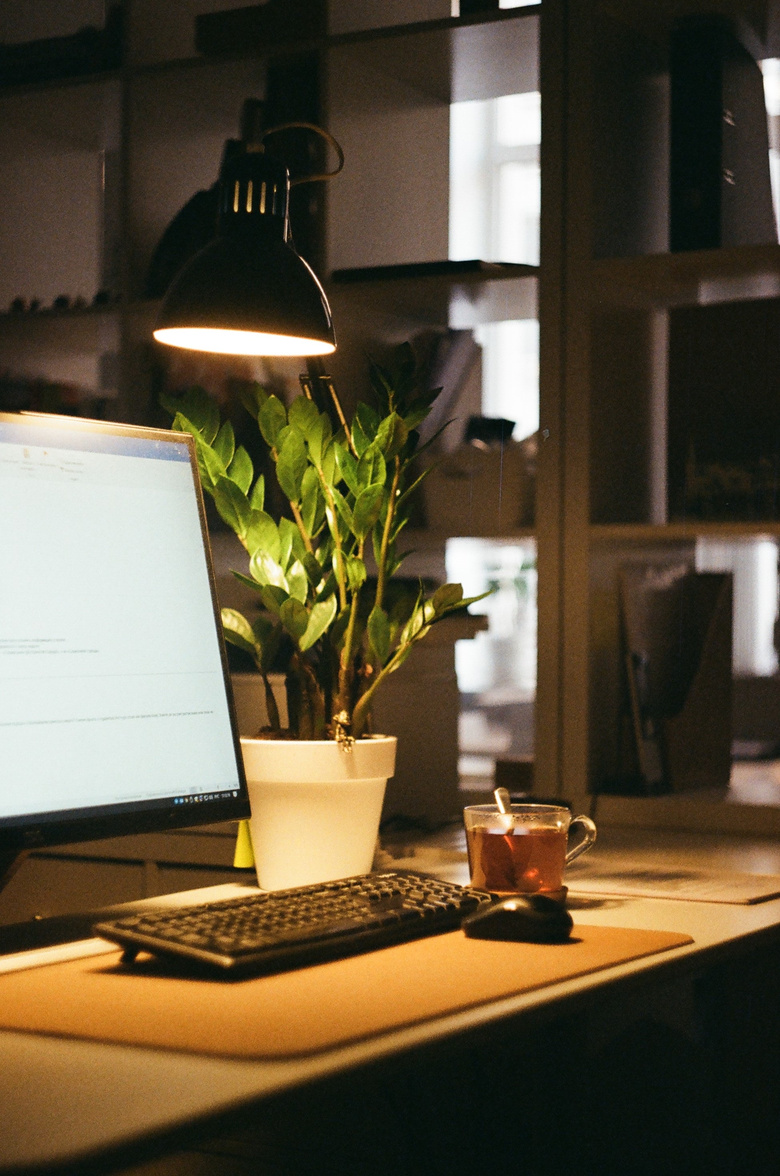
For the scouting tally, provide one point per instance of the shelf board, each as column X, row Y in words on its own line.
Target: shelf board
column 689, row 530
column 70, row 331
column 446, row 58
column 70, row 81
column 449, row 25
column 450, row 293
column 461, row 271
column 428, row 538
column 447, row 61
column 655, row 19
column 680, row 279
column 35, row 119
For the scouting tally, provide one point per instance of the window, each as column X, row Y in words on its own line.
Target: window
column 494, row 216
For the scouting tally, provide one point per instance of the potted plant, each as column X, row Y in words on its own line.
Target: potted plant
column 337, row 631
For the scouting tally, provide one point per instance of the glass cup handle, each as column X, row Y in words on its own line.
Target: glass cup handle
column 587, row 839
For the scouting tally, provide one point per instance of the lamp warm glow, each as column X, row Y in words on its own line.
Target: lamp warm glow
column 249, row 292
column 226, row 342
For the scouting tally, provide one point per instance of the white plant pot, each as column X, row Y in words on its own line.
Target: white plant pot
column 315, row 806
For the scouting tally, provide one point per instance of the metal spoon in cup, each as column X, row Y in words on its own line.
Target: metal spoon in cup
column 504, row 802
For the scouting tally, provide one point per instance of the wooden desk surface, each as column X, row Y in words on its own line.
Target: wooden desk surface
column 65, row 1100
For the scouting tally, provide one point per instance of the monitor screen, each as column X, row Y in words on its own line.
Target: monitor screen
column 115, row 708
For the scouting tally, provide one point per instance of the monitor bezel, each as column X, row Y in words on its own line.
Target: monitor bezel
column 62, row 829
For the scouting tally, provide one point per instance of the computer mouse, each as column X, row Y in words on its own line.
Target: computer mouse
column 526, row 918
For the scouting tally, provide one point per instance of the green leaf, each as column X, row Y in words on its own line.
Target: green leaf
column 224, row 444
column 238, row 631
column 367, row 507
column 295, row 618
column 314, row 570
column 469, row 600
column 376, row 540
column 404, row 497
column 320, row 438
column 298, row 581
column 262, row 628
column 382, row 384
column 287, row 534
column 272, row 418
column 241, row 470
column 233, row 505
column 210, row 467
column 257, row 497
column 328, row 464
column 198, row 408
column 312, row 502
column 347, row 465
column 268, row 636
column 448, row 596
column 371, row 468
column 356, row 573
column 359, row 439
column 273, row 598
column 320, row 618
column 293, row 546
column 304, row 414
column 369, row 419
column 266, row 571
column 416, row 414
column 253, row 397
column 345, row 512
column 262, row 534
column 291, row 462
column 247, row 581
column 379, row 633
column 415, row 623
column 392, row 435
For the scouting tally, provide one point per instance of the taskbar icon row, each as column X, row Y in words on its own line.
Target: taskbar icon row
column 202, row 797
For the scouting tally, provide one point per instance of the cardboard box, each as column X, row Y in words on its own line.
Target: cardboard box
column 481, row 491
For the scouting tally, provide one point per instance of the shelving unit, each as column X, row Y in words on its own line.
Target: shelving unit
column 140, row 141
column 605, row 291
column 171, row 111
column 684, row 279
column 459, row 294
column 606, row 399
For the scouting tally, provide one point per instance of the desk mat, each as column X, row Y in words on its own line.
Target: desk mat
column 302, row 1012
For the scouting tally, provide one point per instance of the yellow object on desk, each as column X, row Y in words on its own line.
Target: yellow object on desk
column 244, row 856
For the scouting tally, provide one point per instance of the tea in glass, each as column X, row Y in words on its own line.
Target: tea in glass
column 525, row 850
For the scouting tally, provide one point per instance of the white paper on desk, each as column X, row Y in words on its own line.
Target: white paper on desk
column 40, row 957
column 685, row 884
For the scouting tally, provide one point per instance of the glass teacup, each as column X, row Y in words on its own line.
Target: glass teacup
column 524, row 850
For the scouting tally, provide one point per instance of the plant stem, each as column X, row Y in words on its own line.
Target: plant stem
column 274, row 721
column 332, row 515
column 317, row 373
column 386, row 532
column 362, row 709
column 347, row 656
column 302, row 529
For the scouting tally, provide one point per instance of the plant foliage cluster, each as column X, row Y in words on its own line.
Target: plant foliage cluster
column 338, row 631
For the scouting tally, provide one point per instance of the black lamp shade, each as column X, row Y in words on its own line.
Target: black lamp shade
column 248, row 292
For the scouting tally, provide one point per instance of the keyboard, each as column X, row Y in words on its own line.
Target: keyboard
column 278, row 930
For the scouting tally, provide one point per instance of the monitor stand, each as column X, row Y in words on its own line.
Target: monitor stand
column 54, row 930
column 38, row 932
column 10, row 861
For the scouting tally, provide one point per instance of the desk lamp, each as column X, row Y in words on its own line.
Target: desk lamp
column 249, row 292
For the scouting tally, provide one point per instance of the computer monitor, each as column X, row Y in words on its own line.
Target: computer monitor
column 116, row 713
